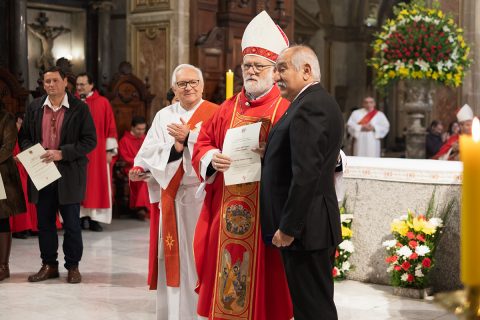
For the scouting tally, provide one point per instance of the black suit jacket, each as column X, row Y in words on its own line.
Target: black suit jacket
column 297, row 186
column 77, row 139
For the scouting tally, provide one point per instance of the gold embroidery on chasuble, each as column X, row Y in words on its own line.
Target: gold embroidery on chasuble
column 239, row 237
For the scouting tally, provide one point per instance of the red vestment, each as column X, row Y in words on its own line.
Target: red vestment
column 446, row 147
column 27, row 220
column 239, row 277
column 368, row 117
column 97, row 195
column 128, row 148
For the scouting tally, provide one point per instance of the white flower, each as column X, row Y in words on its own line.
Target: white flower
column 418, row 267
column 440, row 65
column 450, row 39
column 390, row 268
column 404, row 217
column 404, row 277
column 417, row 18
column 347, row 245
column 427, row 19
column 446, row 29
column 422, row 64
column 404, row 252
column 346, row 266
column 437, row 222
column 449, row 65
column 418, row 273
column 389, row 243
column 347, row 217
column 422, row 250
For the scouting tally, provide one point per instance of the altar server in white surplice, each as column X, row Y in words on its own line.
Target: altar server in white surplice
column 166, row 154
column 367, row 126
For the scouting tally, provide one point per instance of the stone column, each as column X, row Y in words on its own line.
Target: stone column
column 470, row 22
column 20, row 63
column 104, row 41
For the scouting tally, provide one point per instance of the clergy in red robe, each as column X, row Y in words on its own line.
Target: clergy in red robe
column 21, row 223
column 450, row 149
column 239, row 277
column 97, row 205
column 128, row 148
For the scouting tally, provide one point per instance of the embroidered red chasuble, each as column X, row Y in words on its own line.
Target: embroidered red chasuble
column 239, row 276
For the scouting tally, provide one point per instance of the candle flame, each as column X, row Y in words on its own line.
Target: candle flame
column 476, row 129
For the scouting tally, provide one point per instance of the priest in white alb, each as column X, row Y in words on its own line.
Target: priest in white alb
column 367, row 126
column 166, row 153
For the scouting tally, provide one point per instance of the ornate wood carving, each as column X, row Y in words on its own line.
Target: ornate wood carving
column 148, row 5
column 129, row 96
column 12, row 94
column 150, row 58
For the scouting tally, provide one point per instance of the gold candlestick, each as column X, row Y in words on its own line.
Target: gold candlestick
column 464, row 303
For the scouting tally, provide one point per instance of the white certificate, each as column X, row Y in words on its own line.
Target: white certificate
column 3, row 194
column 238, row 144
column 41, row 173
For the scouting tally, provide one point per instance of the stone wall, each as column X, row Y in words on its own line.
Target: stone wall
column 375, row 204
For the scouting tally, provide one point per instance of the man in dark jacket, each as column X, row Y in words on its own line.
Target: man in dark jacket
column 434, row 139
column 63, row 125
column 299, row 208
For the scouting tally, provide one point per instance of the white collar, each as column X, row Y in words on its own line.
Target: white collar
column 63, row 104
column 305, row 88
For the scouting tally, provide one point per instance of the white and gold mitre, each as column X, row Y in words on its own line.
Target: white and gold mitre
column 465, row 113
column 262, row 37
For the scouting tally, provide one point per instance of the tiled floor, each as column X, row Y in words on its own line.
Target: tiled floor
column 114, row 285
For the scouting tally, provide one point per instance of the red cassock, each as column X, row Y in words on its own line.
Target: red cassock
column 128, row 148
column 239, row 277
column 27, row 220
column 97, row 195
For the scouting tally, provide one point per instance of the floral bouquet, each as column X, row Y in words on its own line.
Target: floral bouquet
column 410, row 254
column 420, row 43
column 345, row 249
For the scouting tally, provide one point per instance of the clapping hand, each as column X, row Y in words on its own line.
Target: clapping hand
column 179, row 131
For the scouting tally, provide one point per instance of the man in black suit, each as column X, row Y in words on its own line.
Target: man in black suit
column 63, row 125
column 299, row 208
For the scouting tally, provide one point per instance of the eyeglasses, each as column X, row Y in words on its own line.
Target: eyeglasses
column 257, row 68
column 192, row 83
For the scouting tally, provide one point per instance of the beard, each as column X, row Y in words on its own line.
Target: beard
column 259, row 85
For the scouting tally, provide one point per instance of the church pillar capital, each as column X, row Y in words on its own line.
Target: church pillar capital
column 102, row 5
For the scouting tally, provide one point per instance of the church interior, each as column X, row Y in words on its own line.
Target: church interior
column 131, row 48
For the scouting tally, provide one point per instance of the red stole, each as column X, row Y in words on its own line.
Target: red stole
column 368, row 117
column 446, row 147
column 169, row 221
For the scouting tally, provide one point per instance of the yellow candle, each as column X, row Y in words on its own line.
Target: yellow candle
column 229, row 85
column 470, row 219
